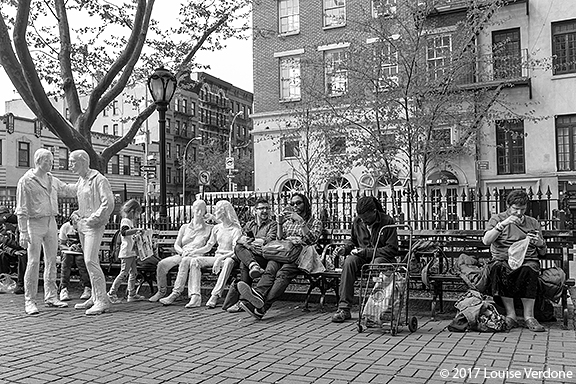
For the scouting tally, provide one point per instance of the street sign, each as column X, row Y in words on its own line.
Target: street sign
column 229, row 163
column 204, row 178
column 482, row 165
column 148, row 168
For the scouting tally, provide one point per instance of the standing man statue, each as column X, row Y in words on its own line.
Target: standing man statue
column 36, row 208
column 95, row 204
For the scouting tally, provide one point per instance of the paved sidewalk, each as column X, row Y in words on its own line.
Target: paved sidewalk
column 147, row 343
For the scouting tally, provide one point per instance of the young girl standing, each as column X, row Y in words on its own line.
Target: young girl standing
column 130, row 211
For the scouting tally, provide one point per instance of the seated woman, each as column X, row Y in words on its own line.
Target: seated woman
column 226, row 233
column 297, row 225
column 191, row 236
column 502, row 231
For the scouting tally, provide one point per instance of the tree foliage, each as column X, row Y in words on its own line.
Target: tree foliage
column 96, row 48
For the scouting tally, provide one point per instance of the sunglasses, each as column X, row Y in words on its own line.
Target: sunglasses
column 299, row 202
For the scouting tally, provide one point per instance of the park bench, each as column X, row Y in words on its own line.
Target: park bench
column 448, row 246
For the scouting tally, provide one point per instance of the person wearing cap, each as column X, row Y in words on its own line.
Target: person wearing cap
column 36, row 207
column 10, row 250
column 366, row 242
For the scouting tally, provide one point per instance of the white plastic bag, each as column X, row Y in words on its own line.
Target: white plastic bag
column 7, row 284
column 517, row 252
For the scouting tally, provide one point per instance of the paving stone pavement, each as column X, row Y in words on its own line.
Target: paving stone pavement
column 147, row 343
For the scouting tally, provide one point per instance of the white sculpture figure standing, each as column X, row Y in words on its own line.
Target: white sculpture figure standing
column 36, row 207
column 191, row 237
column 95, row 204
column 226, row 234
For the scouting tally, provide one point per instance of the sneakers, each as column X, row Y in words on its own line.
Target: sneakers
column 31, row 308
column 85, row 305
column 212, row 302
column 56, row 303
column 533, row 325
column 341, row 315
column 135, row 297
column 19, row 290
column 158, row 295
column 86, row 294
column 195, row 301
column 170, row 299
column 255, row 271
column 64, row 296
column 97, row 309
column 235, row 309
column 114, row 299
column 256, row 313
column 250, row 295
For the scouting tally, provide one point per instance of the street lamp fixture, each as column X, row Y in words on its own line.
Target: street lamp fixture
column 230, row 176
column 162, row 85
column 184, row 173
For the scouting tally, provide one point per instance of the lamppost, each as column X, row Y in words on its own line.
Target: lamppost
column 162, row 85
column 230, row 176
column 184, row 174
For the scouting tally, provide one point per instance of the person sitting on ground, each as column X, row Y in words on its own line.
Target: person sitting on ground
column 130, row 211
column 11, row 253
column 71, row 251
column 503, row 230
column 367, row 244
column 191, row 236
column 226, row 233
column 257, row 232
column 302, row 228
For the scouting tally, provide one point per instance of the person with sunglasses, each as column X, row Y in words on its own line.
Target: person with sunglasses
column 298, row 225
column 366, row 243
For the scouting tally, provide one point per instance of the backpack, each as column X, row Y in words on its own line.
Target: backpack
column 115, row 247
column 476, row 314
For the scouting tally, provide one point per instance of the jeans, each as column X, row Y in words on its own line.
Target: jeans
column 350, row 270
column 127, row 269
column 43, row 233
column 196, row 265
column 274, row 281
column 164, row 266
column 247, row 257
column 183, row 276
column 90, row 238
column 68, row 259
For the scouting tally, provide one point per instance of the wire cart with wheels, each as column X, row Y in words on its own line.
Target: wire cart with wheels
column 384, row 292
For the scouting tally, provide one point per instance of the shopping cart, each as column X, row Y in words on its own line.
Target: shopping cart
column 384, row 292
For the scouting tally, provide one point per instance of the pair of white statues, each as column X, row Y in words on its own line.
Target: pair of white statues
column 37, row 206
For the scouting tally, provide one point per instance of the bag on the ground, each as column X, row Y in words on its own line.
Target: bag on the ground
column 551, row 282
column 282, row 251
column 517, row 252
column 386, row 299
column 7, row 284
column 476, row 314
column 309, row 260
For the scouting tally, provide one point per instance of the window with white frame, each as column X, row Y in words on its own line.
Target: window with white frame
column 334, row 13
column 62, row 158
column 290, row 149
column 23, row 154
column 383, row 8
column 387, row 65
column 288, row 16
column 564, row 47
column 336, row 78
column 290, row 78
column 438, row 52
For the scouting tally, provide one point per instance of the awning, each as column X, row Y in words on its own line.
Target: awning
column 442, row 178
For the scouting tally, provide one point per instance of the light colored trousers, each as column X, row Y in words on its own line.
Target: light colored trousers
column 163, row 267
column 127, row 268
column 196, row 265
column 90, row 238
column 43, row 232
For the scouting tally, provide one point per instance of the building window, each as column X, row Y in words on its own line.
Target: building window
column 510, row 147
column 23, row 154
column 137, row 166
column 193, row 108
column 288, row 16
column 1, row 151
column 383, row 8
column 386, row 58
column 177, row 128
column 168, row 123
column 176, row 104
column 289, row 78
column 115, row 109
column 185, row 105
column 115, row 161
column 290, row 149
column 184, row 129
column 337, row 145
column 168, row 150
column 115, row 129
column 62, row 158
column 336, row 72
column 168, row 175
column 566, row 142
column 438, row 53
column 193, row 130
column 105, row 129
column 334, row 13
column 126, row 165
column 564, row 47
column 177, row 151
column 506, row 54
column 105, row 111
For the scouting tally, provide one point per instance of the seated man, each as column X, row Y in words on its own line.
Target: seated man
column 12, row 255
column 248, row 250
column 297, row 225
column 502, row 231
column 71, row 252
column 363, row 245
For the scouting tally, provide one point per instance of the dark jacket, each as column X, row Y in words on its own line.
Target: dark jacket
column 386, row 246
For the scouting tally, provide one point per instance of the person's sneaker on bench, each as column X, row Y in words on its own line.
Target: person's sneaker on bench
column 256, row 313
column 250, row 295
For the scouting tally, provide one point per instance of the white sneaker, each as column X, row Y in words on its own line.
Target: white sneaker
column 31, row 308
column 56, row 303
column 195, row 301
column 86, row 294
column 85, row 305
column 114, row 299
column 212, row 302
column 97, row 309
column 158, row 295
column 135, row 297
column 64, row 296
column 171, row 298
column 234, row 309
